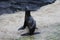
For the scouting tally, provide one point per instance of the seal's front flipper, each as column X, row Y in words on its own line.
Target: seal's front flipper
column 28, row 34
column 22, row 28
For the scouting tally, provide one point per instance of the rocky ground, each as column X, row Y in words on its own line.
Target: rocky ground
column 47, row 19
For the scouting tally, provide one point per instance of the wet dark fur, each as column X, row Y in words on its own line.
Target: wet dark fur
column 30, row 23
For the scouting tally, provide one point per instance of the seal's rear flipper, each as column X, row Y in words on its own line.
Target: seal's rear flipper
column 27, row 34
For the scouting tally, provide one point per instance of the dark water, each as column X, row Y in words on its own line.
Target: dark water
column 11, row 6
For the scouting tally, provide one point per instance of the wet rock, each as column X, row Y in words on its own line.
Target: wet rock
column 11, row 6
